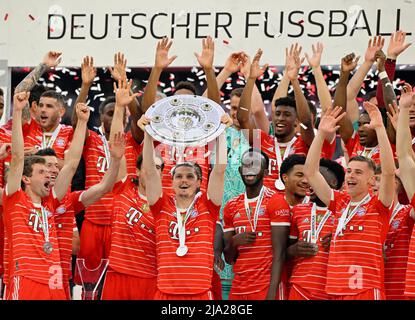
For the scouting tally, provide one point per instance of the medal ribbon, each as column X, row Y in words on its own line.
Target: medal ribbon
column 346, row 217
column 106, row 146
column 316, row 232
column 181, row 222
column 256, row 213
column 287, row 152
column 396, row 210
column 52, row 139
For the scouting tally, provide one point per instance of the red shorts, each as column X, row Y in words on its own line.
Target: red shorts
column 118, row 286
column 201, row 296
column 260, row 295
column 298, row 293
column 216, row 286
column 95, row 245
column 22, row 288
column 370, row 294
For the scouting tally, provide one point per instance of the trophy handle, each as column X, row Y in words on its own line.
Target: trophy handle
column 91, row 279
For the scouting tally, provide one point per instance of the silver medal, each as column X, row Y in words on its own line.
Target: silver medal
column 47, row 247
column 181, row 251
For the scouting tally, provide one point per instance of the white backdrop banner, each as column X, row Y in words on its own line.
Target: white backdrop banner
column 29, row 28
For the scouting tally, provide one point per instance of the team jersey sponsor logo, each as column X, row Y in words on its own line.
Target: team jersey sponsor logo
column 133, row 216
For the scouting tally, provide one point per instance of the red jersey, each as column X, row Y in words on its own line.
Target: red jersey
column 132, row 151
column 96, row 155
column 23, row 227
column 65, row 226
column 133, row 236
column 354, row 148
column 356, row 258
column 253, row 267
column 171, row 157
column 396, row 251
column 191, row 273
column 59, row 140
column 410, row 269
column 310, row 273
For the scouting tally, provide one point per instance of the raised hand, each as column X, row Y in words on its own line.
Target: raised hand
column 88, row 72
column 117, row 147
column 245, row 64
column 373, row 46
column 293, row 63
column 20, row 100
column 256, row 70
column 143, row 122
column 374, row 115
column 315, row 60
column 205, row 59
column 393, row 114
column 397, row 44
column 120, row 63
column 328, row 123
column 4, row 150
column 82, row 112
column 407, row 96
column 52, row 58
column 380, row 59
column 122, row 93
column 162, row 52
column 349, row 62
column 226, row 120
column 233, row 63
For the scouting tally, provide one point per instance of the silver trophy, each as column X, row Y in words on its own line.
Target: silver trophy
column 185, row 120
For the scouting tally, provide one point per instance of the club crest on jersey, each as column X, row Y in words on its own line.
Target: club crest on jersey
column 261, row 211
column 361, row 212
column 194, row 214
column 395, row 224
column 60, row 142
column 61, row 210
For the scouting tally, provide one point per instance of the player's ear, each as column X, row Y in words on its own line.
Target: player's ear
column 284, row 178
column 26, row 180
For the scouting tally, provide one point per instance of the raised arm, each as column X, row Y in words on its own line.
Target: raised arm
column 404, row 142
column 348, row 64
column 162, row 61
column 122, row 100
column 386, row 155
column 257, row 104
column 323, row 91
column 50, row 60
column 74, row 153
column 96, row 192
column 88, row 74
column 205, row 60
column 217, row 176
column 20, row 101
column 244, row 109
column 303, row 110
column 153, row 181
column 355, row 83
column 328, row 126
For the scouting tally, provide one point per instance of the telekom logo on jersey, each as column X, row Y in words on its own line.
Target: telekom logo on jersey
column 35, row 222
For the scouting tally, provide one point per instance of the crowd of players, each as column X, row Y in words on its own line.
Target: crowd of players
column 267, row 197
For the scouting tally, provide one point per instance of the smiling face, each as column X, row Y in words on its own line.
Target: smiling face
column 49, row 113
column 185, row 182
column 284, row 121
column 359, row 178
column 253, row 168
column 295, row 181
column 53, row 168
column 367, row 137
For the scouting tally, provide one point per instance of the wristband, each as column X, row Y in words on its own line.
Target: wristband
column 383, row 75
column 390, row 58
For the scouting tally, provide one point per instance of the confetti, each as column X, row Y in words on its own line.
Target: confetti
column 99, row 95
column 32, row 17
column 167, row 90
column 6, row 16
column 200, row 73
column 302, row 125
column 225, row 41
column 190, row 79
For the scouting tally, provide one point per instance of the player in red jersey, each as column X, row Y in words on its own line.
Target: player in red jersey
column 407, row 170
column 355, row 267
column 185, row 222
column 132, row 270
column 310, row 234
column 171, row 155
column 288, row 114
column 34, row 269
column 255, row 237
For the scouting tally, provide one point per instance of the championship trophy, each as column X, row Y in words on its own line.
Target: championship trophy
column 185, row 121
column 92, row 280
